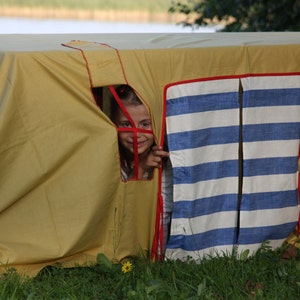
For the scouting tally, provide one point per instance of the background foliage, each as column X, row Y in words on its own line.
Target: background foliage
column 148, row 5
column 241, row 15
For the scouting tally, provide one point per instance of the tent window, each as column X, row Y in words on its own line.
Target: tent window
column 98, row 96
column 134, row 125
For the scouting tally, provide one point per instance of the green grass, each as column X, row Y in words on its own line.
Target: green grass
column 142, row 5
column 263, row 276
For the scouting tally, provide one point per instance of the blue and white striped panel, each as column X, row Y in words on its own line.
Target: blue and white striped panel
column 203, row 138
column 271, row 135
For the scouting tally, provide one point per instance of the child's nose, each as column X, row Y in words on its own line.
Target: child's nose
column 131, row 134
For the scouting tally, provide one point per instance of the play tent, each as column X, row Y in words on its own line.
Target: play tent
column 231, row 104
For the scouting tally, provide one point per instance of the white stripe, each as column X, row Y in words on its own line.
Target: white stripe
column 272, row 114
column 268, row 217
column 265, row 149
column 270, row 183
column 203, row 88
column 190, row 226
column 224, row 250
column 207, row 188
column 212, row 153
column 270, row 82
column 197, row 255
column 202, row 120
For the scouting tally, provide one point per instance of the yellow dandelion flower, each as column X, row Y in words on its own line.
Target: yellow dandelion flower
column 126, row 266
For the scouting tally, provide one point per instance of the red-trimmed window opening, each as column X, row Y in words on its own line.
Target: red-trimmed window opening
column 103, row 97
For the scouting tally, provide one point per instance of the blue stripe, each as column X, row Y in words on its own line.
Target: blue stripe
column 274, row 131
column 201, row 103
column 205, row 206
column 204, row 137
column 208, row 239
column 269, row 200
column 207, row 171
column 262, row 234
column 272, row 165
column 276, row 97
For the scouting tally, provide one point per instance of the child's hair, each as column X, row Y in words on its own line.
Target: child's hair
column 127, row 96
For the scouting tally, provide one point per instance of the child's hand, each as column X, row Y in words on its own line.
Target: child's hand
column 152, row 160
column 155, row 156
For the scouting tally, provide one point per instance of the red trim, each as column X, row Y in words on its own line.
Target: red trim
column 133, row 129
column 119, row 58
column 86, row 61
column 137, row 129
column 159, row 224
column 122, row 106
column 160, row 198
column 86, row 65
column 299, row 194
column 229, row 77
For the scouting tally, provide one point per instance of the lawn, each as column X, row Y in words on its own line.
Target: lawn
column 266, row 275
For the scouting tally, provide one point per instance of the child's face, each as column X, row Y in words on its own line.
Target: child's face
column 141, row 119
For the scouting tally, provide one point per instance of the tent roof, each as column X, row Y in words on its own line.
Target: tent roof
column 48, row 42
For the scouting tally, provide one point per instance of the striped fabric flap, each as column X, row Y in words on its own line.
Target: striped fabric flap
column 203, row 139
column 203, row 125
column 271, row 135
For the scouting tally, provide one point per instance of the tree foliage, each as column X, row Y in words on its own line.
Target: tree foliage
column 241, row 15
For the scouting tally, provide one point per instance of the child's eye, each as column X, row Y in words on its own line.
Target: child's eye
column 146, row 124
column 125, row 124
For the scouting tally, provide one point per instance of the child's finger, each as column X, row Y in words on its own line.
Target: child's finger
column 161, row 153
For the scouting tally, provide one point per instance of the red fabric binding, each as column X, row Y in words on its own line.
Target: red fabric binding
column 299, row 195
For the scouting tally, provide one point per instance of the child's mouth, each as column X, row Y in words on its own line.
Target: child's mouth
column 139, row 144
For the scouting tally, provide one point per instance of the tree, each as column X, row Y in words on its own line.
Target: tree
column 241, row 15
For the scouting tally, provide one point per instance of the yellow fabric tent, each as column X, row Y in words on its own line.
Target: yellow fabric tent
column 61, row 196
